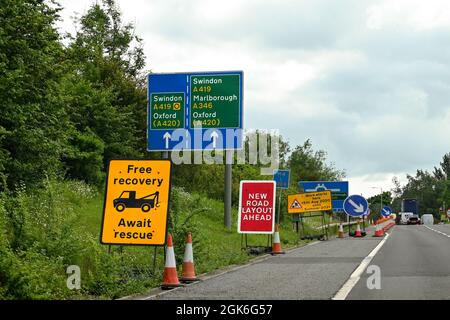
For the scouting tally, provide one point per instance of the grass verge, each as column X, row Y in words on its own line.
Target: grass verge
column 44, row 231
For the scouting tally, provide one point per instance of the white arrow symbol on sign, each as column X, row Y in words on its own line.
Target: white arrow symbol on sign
column 359, row 208
column 214, row 137
column 167, row 136
column 386, row 211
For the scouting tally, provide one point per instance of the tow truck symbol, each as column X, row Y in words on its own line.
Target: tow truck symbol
column 127, row 199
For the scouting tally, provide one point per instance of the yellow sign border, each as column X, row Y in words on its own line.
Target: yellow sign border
column 167, row 212
column 308, row 210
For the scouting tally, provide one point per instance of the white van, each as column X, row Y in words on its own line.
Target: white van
column 428, row 219
column 404, row 217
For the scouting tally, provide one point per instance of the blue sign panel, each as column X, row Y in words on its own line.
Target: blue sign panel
column 356, row 205
column 281, row 177
column 339, row 191
column 365, row 214
column 386, row 211
column 195, row 111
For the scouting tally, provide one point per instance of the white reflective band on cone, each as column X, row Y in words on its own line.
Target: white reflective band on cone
column 276, row 238
column 170, row 258
column 188, row 254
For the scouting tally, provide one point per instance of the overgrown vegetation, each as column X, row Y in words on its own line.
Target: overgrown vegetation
column 45, row 230
column 432, row 191
column 65, row 111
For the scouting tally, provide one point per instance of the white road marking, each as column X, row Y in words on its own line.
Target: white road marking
column 437, row 231
column 356, row 275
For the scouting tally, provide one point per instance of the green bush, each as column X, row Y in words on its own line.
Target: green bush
column 45, row 230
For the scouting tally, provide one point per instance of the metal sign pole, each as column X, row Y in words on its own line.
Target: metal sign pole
column 228, row 188
column 154, row 260
column 348, row 224
column 279, row 206
column 164, row 156
column 323, row 223
column 328, row 224
column 303, row 225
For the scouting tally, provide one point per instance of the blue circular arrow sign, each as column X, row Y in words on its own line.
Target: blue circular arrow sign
column 386, row 211
column 355, row 205
column 365, row 214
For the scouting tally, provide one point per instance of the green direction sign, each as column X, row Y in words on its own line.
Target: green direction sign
column 206, row 103
column 167, row 110
column 215, row 101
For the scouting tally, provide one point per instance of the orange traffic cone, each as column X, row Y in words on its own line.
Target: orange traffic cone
column 170, row 277
column 341, row 231
column 378, row 231
column 358, row 231
column 188, row 274
column 381, row 229
column 276, row 245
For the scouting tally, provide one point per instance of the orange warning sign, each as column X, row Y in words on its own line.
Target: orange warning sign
column 136, row 202
column 310, row 201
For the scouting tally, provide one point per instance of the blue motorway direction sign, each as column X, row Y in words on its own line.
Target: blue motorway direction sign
column 356, row 205
column 339, row 191
column 281, row 177
column 386, row 211
column 195, row 111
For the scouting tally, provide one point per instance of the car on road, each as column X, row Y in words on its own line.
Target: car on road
column 414, row 219
column 404, row 217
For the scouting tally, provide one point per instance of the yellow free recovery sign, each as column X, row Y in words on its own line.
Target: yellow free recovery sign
column 136, row 202
column 310, row 201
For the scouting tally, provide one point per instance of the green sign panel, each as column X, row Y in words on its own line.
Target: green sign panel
column 167, row 110
column 206, row 103
column 215, row 101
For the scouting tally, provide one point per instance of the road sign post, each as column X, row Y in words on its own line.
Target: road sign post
column 281, row 177
column 339, row 191
column 195, row 111
column 228, row 188
column 309, row 202
column 302, row 203
column 355, row 205
column 386, row 211
column 256, row 207
column 136, row 203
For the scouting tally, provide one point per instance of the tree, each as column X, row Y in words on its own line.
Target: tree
column 377, row 202
column 104, row 89
column 443, row 173
column 32, row 125
column 309, row 165
column 426, row 189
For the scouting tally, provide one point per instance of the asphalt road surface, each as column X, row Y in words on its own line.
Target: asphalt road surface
column 316, row 271
column 414, row 264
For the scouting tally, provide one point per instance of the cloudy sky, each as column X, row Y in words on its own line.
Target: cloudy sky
column 367, row 81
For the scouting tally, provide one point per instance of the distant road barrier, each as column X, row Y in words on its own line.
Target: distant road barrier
column 337, row 224
column 386, row 223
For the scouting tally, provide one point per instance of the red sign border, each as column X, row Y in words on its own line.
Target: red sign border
column 240, row 207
